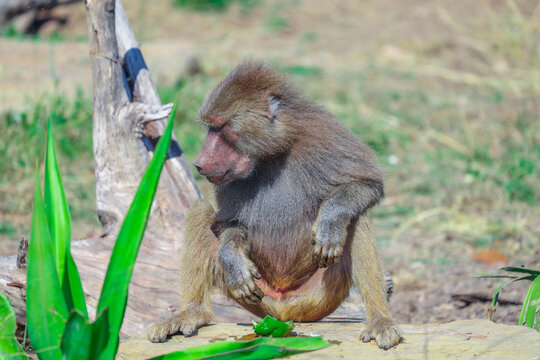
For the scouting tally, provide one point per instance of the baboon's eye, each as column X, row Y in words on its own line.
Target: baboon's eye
column 215, row 127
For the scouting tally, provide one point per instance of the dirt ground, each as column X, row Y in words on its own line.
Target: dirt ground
column 431, row 271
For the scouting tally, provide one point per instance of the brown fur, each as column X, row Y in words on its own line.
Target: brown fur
column 291, row 234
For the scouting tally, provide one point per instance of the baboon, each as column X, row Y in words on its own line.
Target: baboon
column 291, row 234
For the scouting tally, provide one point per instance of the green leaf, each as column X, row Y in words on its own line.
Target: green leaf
column 9, row 346
column 498, row 290
column 57, row 211
column 83, row 340
column 77, row 337
column 46, row 308
column 529, row 312
column 521, row 270
column 115, row 287
column 270, row 326
column 56, row 207
column 72, row 287
column 263, row 348
column 100, row 334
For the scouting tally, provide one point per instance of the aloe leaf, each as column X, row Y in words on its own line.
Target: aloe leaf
column 115, row 287
column 530, row 305
column 77, row 337
column 100, row 334
column 58, row 219
column 270, row 326
column 263, row 348
column 9, row 346
column 521, row 270
column 83, row 340
column 56, row 206
column 72, row 287
column 46, row 308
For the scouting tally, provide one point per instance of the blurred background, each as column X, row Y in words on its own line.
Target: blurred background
column 445, row 92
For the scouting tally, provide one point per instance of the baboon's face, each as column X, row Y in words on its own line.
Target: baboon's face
column 219, row 161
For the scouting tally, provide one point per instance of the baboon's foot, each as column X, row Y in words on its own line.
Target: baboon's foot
column 384, row 332
column 185, row 322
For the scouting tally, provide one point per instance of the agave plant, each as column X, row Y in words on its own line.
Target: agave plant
column 57, row 318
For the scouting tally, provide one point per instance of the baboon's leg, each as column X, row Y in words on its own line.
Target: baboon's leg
column 367, row 276
column 197, row 274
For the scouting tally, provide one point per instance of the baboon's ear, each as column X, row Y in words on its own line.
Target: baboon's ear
column 273, row 105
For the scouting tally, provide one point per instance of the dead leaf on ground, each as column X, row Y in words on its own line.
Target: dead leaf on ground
column 490, row 256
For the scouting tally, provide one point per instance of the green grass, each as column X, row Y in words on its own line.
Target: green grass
column 214, row 5
column 9, row 32
column 21, row 148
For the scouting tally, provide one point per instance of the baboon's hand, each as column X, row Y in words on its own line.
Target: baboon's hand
column 328, row 241
column 383, row 332
column 239, row 272
column 186, row 322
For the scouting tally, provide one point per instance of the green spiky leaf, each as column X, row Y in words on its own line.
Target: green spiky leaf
column 9, row 346
column 56, row 207
column 57, row 211
column 115, row 287
column 83, row 340
column 521, row 270
column 46, row 308
column 259, row 349
column 531, row 305
column 77, row 337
